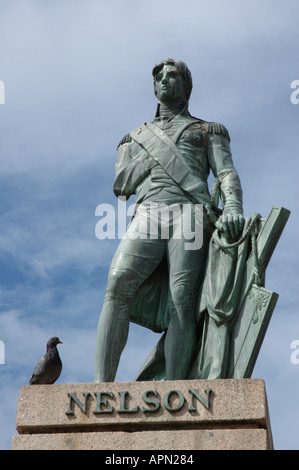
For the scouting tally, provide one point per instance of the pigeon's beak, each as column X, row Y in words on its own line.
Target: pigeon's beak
column 59, row 342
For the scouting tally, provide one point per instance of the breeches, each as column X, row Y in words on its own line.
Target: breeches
column 151, row 237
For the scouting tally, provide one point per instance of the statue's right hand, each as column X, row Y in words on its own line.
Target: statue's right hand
column 231, row 225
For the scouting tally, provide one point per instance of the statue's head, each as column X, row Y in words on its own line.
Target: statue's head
column 172, row 80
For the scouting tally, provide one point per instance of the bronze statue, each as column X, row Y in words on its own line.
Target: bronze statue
column 155, row 281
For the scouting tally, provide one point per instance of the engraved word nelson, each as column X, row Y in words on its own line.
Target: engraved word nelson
column 106, row 402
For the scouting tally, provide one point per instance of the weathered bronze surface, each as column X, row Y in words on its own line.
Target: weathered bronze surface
column 203, row 294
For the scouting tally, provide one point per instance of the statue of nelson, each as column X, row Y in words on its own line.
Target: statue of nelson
column 154, row 281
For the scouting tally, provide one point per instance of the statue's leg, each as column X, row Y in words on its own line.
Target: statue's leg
column 185, row 274
column 134, row 261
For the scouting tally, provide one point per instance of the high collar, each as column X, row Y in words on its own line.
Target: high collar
column 164, row 112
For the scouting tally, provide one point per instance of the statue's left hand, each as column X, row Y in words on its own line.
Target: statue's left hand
column 231, row 224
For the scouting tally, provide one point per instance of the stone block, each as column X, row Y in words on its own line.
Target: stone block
column 186, row 414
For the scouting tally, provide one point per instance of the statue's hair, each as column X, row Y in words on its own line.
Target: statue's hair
column 182, row 69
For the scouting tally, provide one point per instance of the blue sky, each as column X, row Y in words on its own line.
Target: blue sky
column 77, row 77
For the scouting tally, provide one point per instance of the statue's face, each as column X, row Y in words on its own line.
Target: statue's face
column 169, row 85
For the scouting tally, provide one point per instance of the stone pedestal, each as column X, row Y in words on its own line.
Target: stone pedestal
column 161, row 415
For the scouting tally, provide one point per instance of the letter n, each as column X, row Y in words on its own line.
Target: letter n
column 205, row 403
column 75, row 399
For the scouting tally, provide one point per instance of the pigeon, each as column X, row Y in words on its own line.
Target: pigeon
column 49, row 366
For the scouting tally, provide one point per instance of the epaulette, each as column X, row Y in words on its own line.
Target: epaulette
column 216, row 128
column 125, row 140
